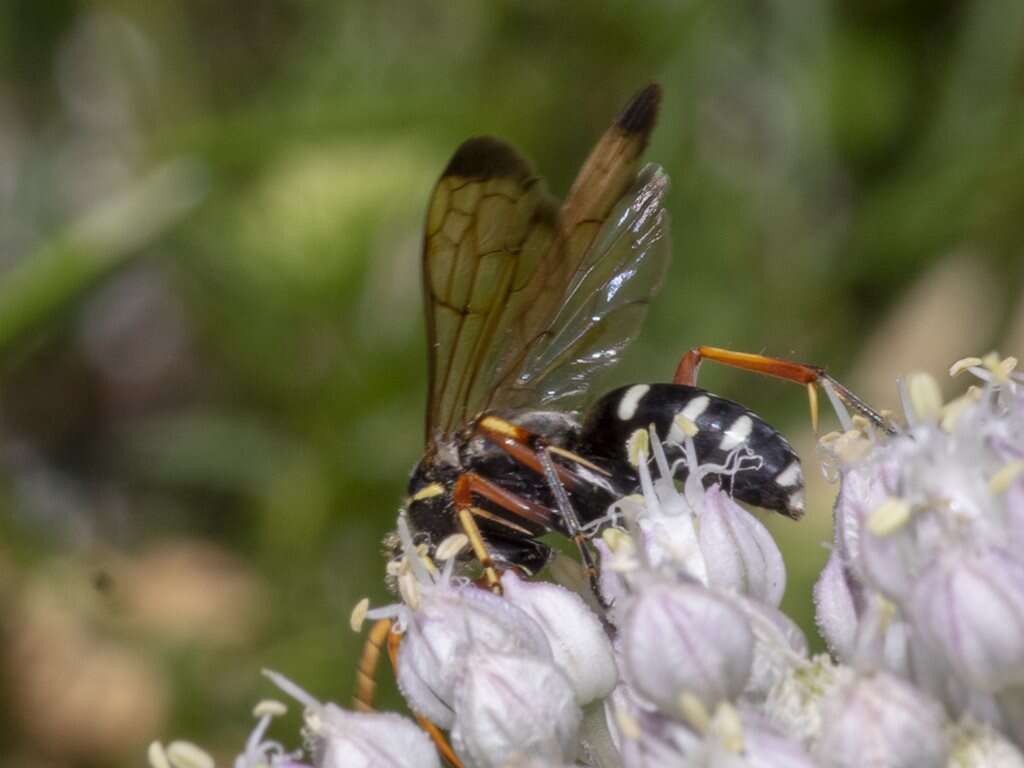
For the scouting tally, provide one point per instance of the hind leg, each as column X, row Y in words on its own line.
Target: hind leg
column 801, row 373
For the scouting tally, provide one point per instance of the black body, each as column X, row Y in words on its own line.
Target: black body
column 603, row 473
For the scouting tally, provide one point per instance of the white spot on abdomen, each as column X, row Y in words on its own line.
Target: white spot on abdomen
column 789, row 476
column 631, row 399
column 737, row 432
column 693, row 409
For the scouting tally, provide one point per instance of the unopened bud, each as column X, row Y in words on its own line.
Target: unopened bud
column 514, row 707
column 682, row 638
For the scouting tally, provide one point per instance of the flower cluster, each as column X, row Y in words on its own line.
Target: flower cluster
column 926, row 578
column 690, row 661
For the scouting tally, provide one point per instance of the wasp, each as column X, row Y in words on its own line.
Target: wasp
column 528, row 301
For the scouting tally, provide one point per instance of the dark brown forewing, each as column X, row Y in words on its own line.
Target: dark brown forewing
column 489, row 223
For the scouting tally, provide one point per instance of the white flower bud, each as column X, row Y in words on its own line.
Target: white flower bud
column 979, row 746
column 682, row 639
column 794, row 704
column 880, row 720
column 579, row 645
column 343, row 739
column 446, row 627
column 509, row 706
column 969, row 609
column 739, row 553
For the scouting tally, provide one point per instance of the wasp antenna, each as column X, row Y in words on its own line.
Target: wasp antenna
column 485, row 157
column 641, row 113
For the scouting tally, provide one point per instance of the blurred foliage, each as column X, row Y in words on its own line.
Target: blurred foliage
column 211, row 346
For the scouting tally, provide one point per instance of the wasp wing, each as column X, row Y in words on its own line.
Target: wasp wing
column 489, row 223
column 524, row 301
column 603, row 305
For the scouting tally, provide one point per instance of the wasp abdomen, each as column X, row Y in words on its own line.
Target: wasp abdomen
column 768, row 473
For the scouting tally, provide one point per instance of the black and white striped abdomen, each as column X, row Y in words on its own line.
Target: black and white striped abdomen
column 772, row 479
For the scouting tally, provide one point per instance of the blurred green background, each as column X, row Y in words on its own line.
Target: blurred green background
column 211, row 346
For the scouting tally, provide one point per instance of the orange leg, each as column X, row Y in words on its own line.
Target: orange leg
column 366, row 671
column 801, row 373
column 523, row 446
column 532, row 451
column 468, row 484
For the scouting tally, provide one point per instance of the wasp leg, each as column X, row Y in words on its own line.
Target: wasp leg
column 572, row 521
column 366, row 671
column 468, row 484
column 801, row 373
column 532, row 451
column 525, row 447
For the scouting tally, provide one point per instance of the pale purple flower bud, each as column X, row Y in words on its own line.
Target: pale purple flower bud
column 883, row 639
column 739, row 552
column 838, row 600
column 1013, row 499
column 881, row 720
column 651, row 739
column 728, row 739
column 890, row 560
column 878, row 538
column 861, row 627
column 860, row 491
column 579, row 644
column 969, row 609
column 744, row 740
column 343, row 739
column 682, row 639
column 779, row 645
column 536, row 762
column 766, row 749
column 510, row 706
column 440, row 633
